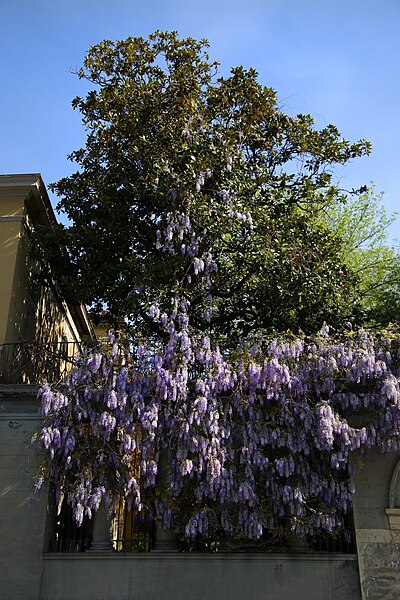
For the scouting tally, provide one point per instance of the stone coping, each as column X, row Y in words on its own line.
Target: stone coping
column 197, row 556
column 393, row 515
column 19, row 400
column 18, row 390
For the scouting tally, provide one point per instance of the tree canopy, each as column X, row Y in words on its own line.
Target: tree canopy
column 361, row 223
column 227, row 181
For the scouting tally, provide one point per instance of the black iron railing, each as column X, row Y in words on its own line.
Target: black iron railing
column 35, row 362
column 132, row 531
column 66, row 536
column 341, row 543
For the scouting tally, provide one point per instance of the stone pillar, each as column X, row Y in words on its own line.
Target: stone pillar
column 165, row 538
column 101, row 532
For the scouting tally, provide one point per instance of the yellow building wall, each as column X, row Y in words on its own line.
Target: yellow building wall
column 10, row 237
column 12, row 206
column 36, row 323
column 30, row 310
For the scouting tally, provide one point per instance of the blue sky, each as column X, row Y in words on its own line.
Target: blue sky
column 335, row 59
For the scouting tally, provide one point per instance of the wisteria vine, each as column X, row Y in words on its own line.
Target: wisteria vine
column 257, row 436
column 256, row 441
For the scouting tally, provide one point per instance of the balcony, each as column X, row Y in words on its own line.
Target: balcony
column 31, row 363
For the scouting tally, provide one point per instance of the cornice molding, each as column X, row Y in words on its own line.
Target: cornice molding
column 19, row 218
column 30, row 187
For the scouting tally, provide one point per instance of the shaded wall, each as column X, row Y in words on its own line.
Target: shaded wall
column 22, row 524
column 200, row 577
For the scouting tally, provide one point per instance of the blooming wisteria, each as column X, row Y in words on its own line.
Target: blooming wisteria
column 257, row 439
column 255, row 435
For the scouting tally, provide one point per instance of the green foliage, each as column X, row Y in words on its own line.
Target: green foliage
column 167, row 136
column 362, row 224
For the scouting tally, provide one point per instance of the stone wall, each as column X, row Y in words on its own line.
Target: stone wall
column 22, row 524
column 200, row 577
column 378, row 545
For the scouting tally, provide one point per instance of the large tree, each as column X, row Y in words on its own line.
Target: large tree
column 216, row 168
column 207, row 218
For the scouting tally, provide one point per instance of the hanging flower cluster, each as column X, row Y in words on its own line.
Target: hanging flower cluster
column 256, row 440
